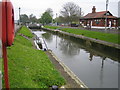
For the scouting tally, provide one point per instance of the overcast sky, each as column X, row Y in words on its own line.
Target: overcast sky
column 37, row 7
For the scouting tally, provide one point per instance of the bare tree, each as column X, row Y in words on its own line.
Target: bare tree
column 71, row 12
column 50, row 11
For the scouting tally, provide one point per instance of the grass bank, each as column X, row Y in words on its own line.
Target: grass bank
column 28, row 67
column 113, row 38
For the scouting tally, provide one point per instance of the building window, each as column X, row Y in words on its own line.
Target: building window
column 114, row 21
column 107, row 14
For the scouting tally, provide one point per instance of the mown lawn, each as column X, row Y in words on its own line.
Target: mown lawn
column 26, row 32
column 1, row 64
column 113, row 38
column 30, row 68
column 51, row 27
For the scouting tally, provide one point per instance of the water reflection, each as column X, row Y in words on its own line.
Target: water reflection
column 91, row 56
column 101, row 75
column 48, row 37
column 91, row 64
column 69, row 48
column 95, row 49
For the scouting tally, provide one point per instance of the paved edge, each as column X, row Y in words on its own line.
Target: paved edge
column 68, row 71
column 117, row 46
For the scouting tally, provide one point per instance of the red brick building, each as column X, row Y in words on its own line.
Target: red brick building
column 98, row 19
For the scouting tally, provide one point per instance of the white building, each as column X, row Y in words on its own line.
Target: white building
column 119, row 9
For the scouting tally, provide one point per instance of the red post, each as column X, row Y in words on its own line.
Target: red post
column 5, row 67
column 5, row 41
column 7, row 34
column 4, row 44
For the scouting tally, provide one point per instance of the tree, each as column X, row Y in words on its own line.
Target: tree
column 50, row 11
column 71, row 12
column 33, row 18
column 24, row 19
column 59, row 19
column 46, row 18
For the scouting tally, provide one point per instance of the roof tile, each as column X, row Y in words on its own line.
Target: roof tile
column 99, row 15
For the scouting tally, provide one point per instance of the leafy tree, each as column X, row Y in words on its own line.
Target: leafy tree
column 46, row 18
column 71, row 12
column 33, row 18
column 59, row 19
column 24, row 19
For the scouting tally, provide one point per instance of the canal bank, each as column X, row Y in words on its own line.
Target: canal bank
column 72, row 81
column 29, row 67
column 88, row 39
column 92, row 65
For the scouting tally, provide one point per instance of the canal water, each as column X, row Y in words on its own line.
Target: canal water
column 96, row 68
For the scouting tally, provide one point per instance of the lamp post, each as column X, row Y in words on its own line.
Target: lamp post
column 80, row 12
column 106, row 14
column 56, row 19
column 19, row 15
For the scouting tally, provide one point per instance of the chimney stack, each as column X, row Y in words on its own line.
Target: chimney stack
column 93, row 9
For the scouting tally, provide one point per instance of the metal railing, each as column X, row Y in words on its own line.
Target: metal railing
column 40, row 40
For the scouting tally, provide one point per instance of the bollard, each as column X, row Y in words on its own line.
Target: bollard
column 45, row 49
column 54, row 87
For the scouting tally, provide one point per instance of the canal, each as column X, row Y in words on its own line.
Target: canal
column 97, row 67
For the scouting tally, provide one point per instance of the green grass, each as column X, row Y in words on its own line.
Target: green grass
column 26, row 32
column 30, row 68
column 113, row 38
column 1, row 64
column 52, row 27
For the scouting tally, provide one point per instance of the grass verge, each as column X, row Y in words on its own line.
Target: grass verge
column 52, row 27
column 24, row 30
column 30, row 68
column 113, row 38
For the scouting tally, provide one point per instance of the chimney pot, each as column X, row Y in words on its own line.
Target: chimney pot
column 93, row 9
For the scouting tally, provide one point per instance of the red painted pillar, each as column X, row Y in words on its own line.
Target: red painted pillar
column 6, row 76
column 4, row 40
column 7, row 35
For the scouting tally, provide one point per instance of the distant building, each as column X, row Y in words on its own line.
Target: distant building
column 16, row 21
column 97, row 19
column 119, row 9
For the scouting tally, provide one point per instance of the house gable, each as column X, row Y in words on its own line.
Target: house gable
column 98, row 19
column 108, row 13
column 101, row 14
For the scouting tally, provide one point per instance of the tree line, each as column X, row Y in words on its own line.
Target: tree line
column 69, row 13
